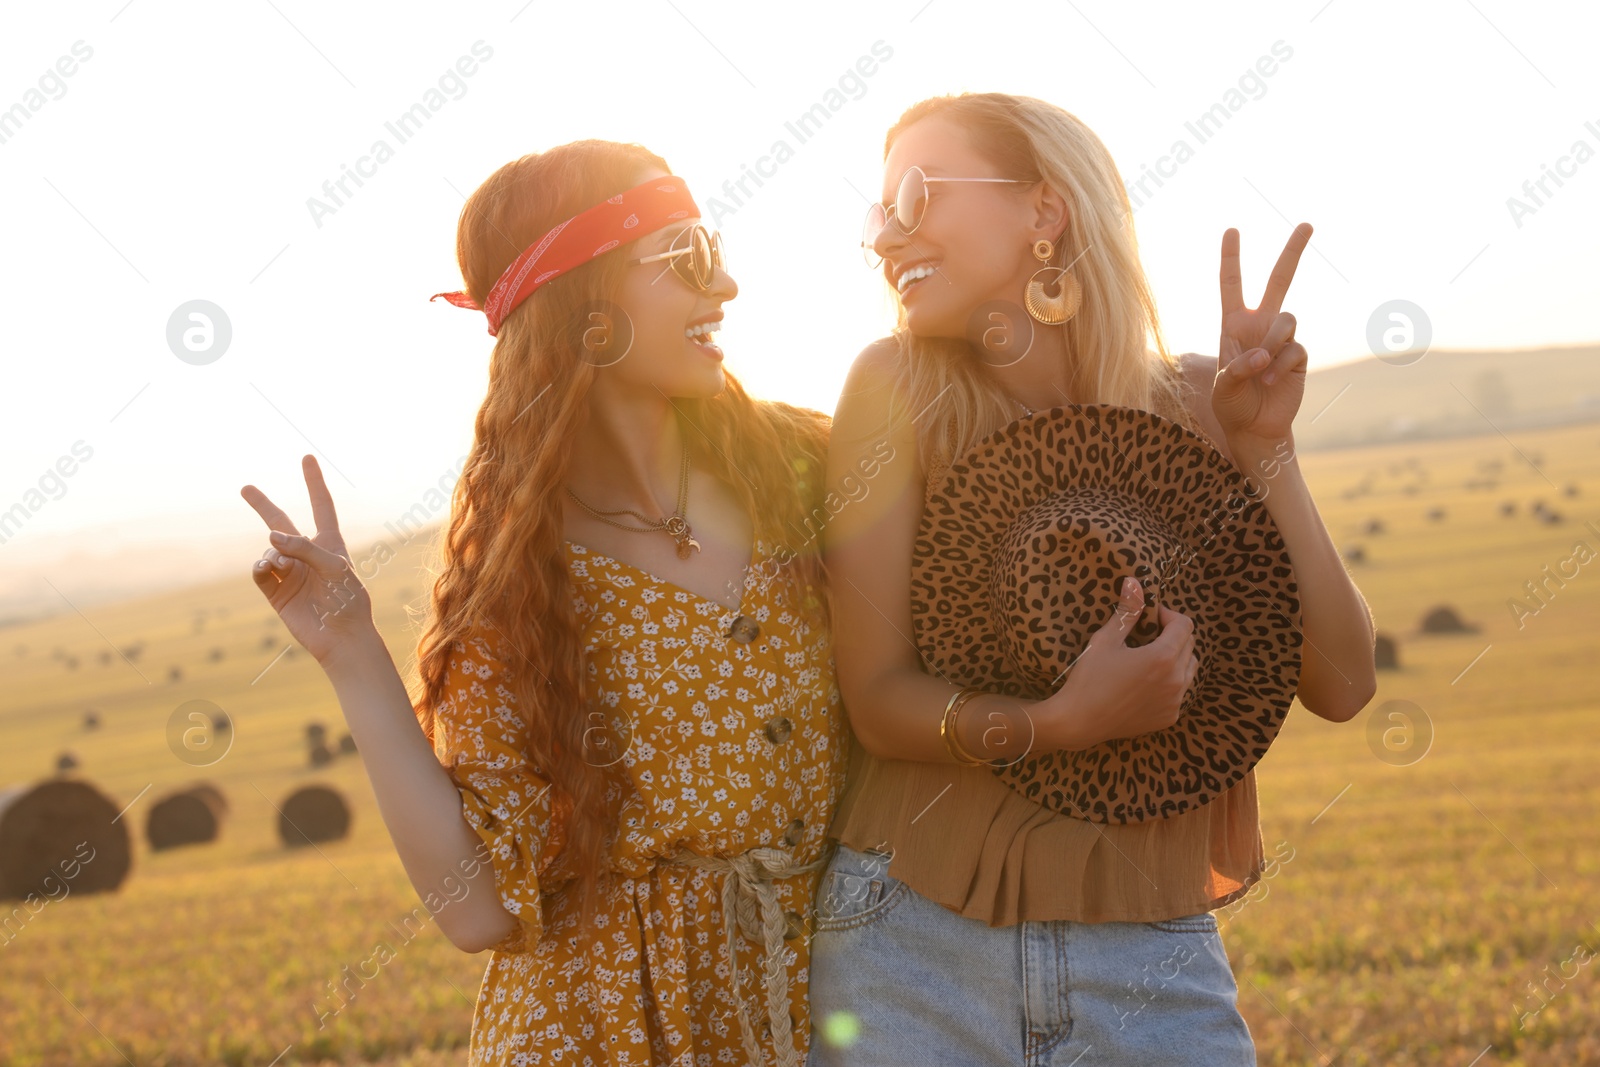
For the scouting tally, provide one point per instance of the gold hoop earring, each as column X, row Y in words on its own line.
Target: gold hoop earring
column 1040, row 305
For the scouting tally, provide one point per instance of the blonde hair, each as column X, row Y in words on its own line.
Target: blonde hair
column 1117, row 352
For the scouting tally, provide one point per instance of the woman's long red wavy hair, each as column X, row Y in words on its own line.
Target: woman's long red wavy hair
column 501, row 565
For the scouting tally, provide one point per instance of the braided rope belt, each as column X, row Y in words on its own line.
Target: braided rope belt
column 750, row 905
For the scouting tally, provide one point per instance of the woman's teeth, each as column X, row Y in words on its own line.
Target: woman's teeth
column 903, row 282
column 705, row 332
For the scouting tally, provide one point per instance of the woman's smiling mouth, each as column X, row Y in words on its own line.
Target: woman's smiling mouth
column 703, row 336
column 912, row 275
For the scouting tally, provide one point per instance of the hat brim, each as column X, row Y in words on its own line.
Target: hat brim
column 1235, row 581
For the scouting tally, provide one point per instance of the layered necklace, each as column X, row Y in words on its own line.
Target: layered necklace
column 674, row 524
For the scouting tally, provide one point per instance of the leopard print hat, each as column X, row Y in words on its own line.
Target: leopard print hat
column 1020, row 556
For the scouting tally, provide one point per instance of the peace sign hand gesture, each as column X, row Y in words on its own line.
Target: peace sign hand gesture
column 1261, row 368
column 308, row 580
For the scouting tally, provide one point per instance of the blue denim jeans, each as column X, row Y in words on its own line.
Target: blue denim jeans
column 899, row 980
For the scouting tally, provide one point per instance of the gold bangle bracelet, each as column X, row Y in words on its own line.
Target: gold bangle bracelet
column 947, row 729
column 955, row 735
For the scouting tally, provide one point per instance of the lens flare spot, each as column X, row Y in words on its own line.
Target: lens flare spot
column 841, row 1029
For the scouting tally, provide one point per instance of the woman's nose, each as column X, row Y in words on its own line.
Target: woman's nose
column 889, row 241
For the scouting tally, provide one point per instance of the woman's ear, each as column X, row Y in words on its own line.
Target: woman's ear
column 1051, row 213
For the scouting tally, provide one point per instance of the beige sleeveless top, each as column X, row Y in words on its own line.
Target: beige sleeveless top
column 962, row 837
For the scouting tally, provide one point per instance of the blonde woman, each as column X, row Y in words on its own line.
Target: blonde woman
column 627, row 742
column 961, row 923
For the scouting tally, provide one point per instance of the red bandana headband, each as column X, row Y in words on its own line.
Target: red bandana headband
column 643, row 209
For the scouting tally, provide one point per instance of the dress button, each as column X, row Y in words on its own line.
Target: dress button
column 744, row 629
column 791, row 836
column 778, row 729
column 793, row 927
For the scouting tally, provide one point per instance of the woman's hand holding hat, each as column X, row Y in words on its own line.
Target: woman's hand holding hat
column 1261, row 368
column 1114, row 690
column 1157, row 700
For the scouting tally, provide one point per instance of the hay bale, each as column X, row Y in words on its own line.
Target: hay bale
column 1508, row 507
column 1355, row 554
column 268, row 641
column 1374, row 526
column 1444, row 620
column 1550, row 518
column 182, row 818
column 347, row 744
column 313, row 813
column 1570, row 490
column 315, row 732
column 91, row 720
column 60, row 831
column 66, row 762
column 1436, row 514
column 1386, row 652
column 321, row 754
column 174, row 674
column 221, row 723
column 216, row 655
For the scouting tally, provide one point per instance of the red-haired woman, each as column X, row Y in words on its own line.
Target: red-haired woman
column 630, row 739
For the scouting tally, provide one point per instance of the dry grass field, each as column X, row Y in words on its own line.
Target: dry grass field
column 1434, row 902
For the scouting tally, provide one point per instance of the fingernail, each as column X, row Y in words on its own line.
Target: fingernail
column 278, row 537
column 1258, row 357
column 1129, row 586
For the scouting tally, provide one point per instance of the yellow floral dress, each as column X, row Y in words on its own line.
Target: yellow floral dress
column 735, row 746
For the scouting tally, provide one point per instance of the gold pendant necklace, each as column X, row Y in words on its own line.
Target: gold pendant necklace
column 674, row 524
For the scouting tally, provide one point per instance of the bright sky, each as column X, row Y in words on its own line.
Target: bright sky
column 175, row 161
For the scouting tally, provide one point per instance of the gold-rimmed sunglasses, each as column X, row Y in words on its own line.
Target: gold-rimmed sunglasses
column 909, row 208
column 703, row 250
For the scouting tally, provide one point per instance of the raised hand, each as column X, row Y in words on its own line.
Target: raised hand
column 1261, row 368
column 308, row 580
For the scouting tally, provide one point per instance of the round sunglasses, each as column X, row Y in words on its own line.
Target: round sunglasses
column 909, row 208
column 695, row 256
